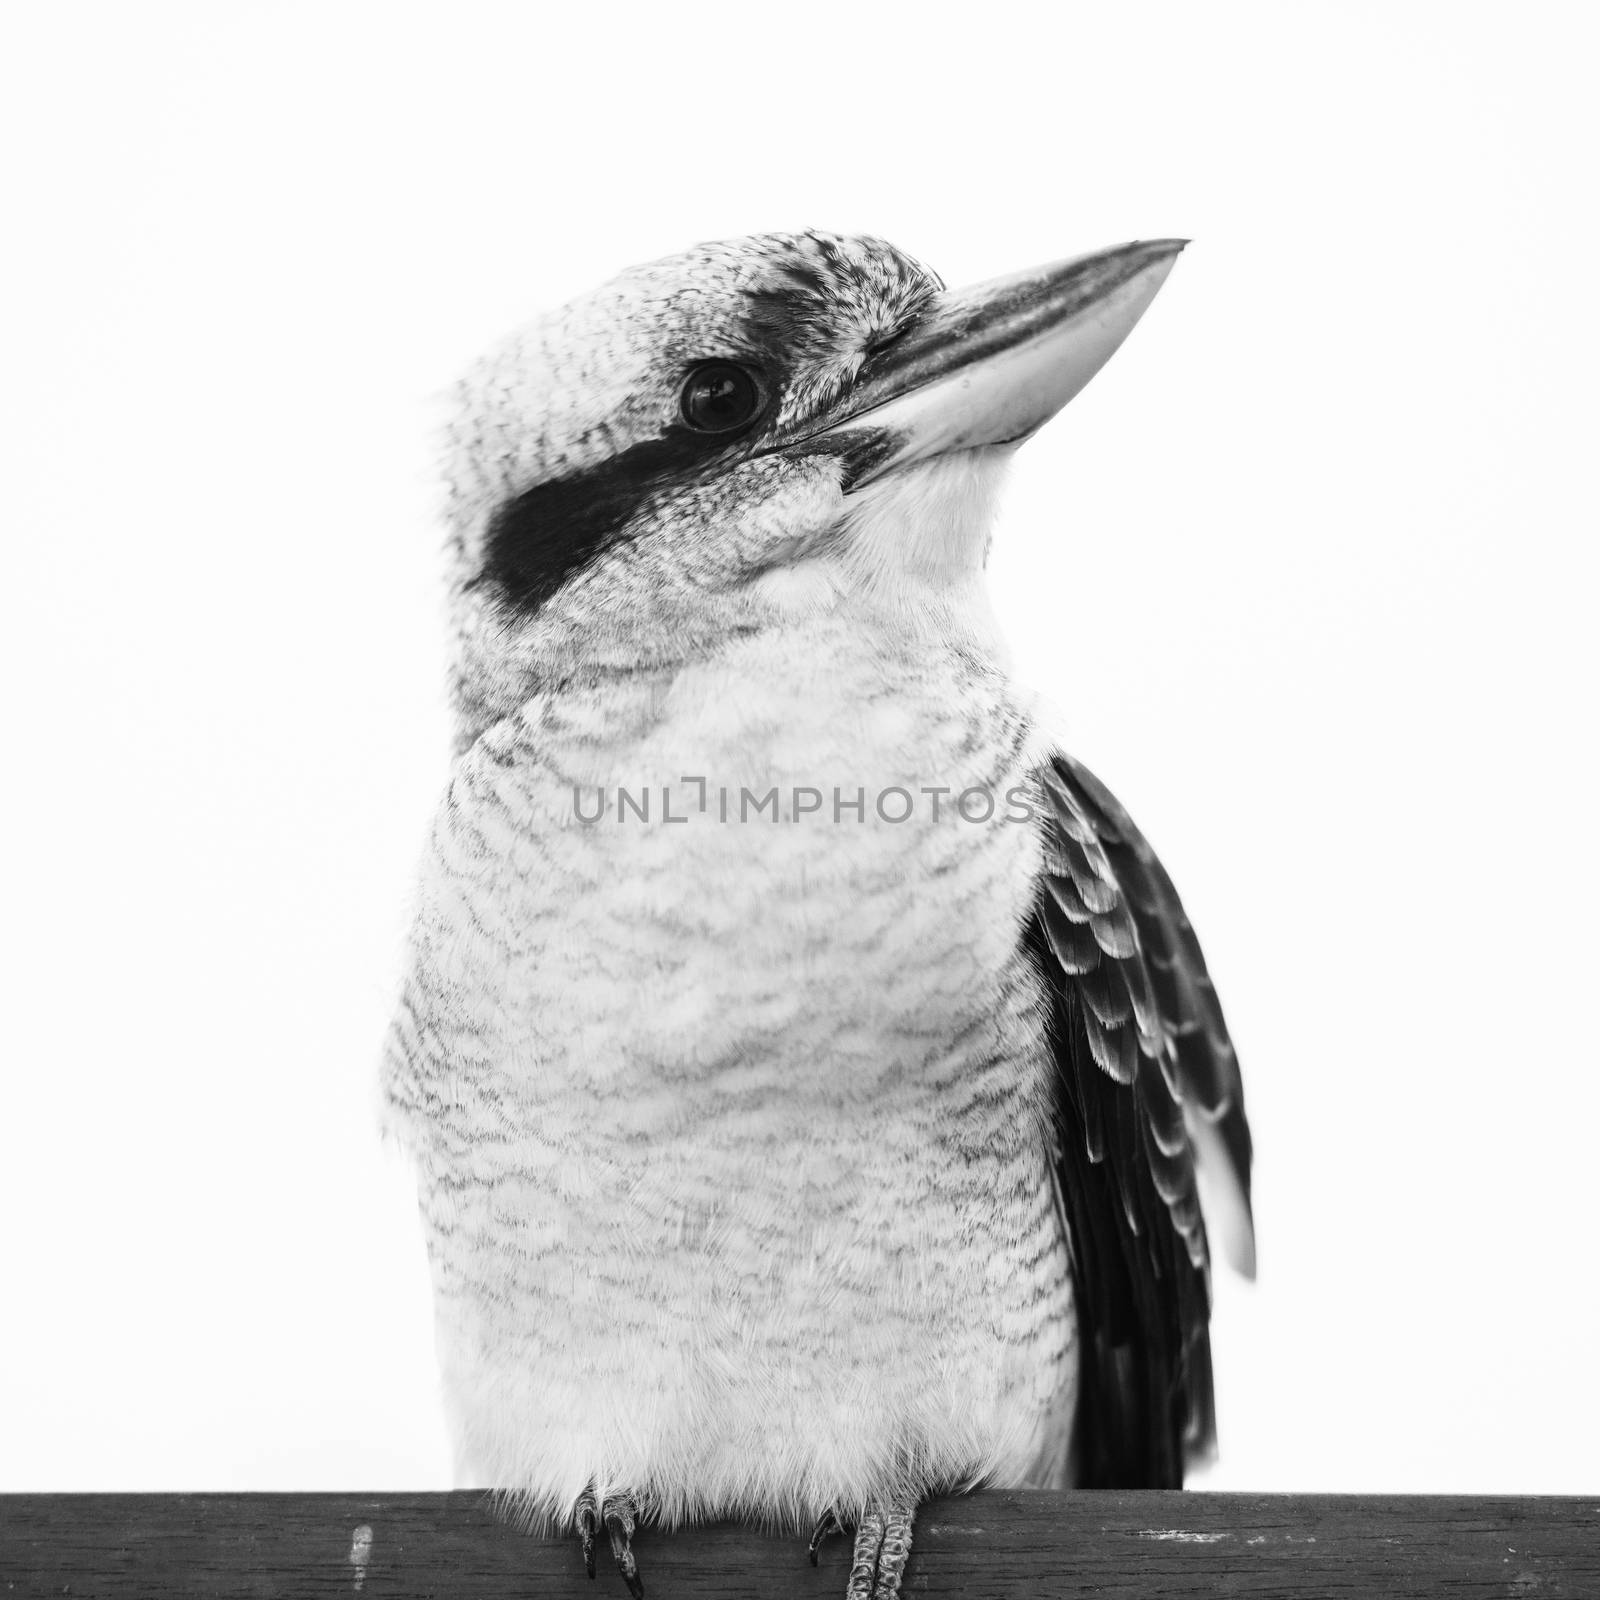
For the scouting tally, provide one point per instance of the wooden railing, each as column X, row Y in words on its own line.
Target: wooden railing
column 1112, row 1546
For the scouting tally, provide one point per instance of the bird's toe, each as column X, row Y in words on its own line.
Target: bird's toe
column 883, row 1545
column 893, row 1552
column 620, row 1515
column 864, row 1565
column 587, row 1515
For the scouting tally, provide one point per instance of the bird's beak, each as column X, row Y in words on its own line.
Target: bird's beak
column 991, row 364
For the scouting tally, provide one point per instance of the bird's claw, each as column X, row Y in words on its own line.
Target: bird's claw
column 828, row 1524
column 620, row 1516
column 587, row 1513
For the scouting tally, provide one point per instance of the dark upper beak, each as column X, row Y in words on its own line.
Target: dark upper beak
column 990, row 364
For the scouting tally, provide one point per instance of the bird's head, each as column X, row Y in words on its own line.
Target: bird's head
column 748, row 429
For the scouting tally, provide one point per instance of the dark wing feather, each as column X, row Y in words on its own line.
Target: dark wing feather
column 1145, row 1076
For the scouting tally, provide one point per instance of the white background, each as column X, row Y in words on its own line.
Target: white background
column 1309, row 570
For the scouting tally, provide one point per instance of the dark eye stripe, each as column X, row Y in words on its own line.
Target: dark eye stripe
column 547, row 535
column 542, row 539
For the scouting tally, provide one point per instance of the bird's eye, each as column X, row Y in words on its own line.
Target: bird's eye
column 719, row 397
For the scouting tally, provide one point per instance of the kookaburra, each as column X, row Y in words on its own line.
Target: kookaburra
column 806, row 1065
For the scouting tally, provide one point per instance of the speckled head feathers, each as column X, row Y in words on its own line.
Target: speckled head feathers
column 589, row 524
column 579, row 387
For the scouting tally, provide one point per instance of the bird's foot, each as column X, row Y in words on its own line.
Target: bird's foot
column 618, row 1515
column 883, row 1544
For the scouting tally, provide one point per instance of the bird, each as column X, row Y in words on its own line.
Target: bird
column 808, row 1068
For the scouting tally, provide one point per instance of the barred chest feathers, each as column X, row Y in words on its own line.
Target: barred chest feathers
column 734, row 1127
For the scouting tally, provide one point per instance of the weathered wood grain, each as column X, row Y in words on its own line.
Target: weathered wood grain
column 1133, row 1546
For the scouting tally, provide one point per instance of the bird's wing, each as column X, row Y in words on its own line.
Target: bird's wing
column 1146, row 1079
